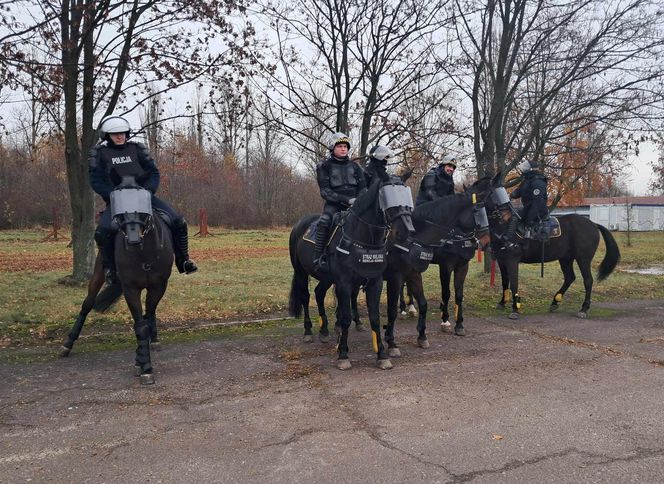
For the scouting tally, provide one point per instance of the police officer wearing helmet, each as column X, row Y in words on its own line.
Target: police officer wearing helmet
column 340, row 181
column 532, row 193
column 379, row 156
column 438, row 182
column 110, row 160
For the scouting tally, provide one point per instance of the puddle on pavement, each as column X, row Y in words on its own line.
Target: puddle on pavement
column 652, row 271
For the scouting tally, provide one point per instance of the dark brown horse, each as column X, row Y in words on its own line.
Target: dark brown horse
column 144, row 260
column 578, row 241
column 434, row 222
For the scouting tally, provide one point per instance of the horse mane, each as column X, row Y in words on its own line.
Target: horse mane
column 368, row 198
column 481, row 185
column 431, row 211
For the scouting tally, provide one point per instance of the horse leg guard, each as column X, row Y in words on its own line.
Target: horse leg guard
column 181, row 248
column 143, row 348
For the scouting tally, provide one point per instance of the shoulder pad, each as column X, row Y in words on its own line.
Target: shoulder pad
column 92, row 155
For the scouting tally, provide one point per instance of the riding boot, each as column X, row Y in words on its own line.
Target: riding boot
column 508, row 235
column 106, row 243
column 321, row 238
column 181, row 248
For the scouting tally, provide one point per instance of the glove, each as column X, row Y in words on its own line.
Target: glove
column 351, row 202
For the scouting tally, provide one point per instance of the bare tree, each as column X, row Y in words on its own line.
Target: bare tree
column 656, row 184
column 351, row 64
column 533, row 69
column 96, row 55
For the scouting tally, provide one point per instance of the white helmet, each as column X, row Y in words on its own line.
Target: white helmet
column 524, row 167
column 338, row 138
column 381, row 153
column 113, row 124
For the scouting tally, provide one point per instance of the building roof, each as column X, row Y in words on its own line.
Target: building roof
column 658, row 200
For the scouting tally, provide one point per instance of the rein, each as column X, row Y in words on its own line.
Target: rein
column 385, row 230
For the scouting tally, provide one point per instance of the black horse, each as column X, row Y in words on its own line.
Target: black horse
column 357, row 250
column 434, row 222
column 144, row 261
column 453, row 258
column 576, row 240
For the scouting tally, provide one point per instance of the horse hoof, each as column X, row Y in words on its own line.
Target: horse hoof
column 446, row 326
column 500, row 306
column 384, row 364
column 460, row 331
column 361, row 327
column 412, row 311
column 344, row 364
column 582, row 315
column 64, row 351
column 553, row 308
column 323, row 338
column 394, row 352
column 423, row 343
column 308, row 338
column 403, row 314
column 514, row 316
column 147, row 379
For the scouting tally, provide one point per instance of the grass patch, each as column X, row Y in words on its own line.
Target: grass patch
column 246, row 274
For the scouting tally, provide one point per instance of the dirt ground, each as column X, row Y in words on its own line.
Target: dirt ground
column 547, row 398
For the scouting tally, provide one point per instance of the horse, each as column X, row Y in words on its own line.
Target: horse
column 433, row 221
column 577, row 240
column 357, row 249
column 144, row 261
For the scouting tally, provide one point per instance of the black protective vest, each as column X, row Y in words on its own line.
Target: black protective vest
column 342, row 174
column 121, row 161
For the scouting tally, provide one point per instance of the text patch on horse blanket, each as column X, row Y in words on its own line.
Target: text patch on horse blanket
column 367, row 261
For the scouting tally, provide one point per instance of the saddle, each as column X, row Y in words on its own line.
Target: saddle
column 367, row 261
column 542, row 231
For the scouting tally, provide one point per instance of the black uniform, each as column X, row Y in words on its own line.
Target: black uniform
column 435, row 184
column 339, row 180
column 532, row 192
column 107, row 164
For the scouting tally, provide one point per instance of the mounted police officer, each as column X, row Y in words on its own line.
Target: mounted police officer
column 113, row 158
column 379, row 156
column 438, row 182
column 340, row 181
column 532, row 193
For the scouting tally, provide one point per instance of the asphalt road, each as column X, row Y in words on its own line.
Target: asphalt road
column 548, row 398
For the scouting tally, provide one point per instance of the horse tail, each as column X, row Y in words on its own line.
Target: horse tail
column 612, row 256
column 107, row 297
column 300, row 281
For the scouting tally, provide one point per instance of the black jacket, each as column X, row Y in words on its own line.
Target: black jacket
column 108, row 163
column 340, row 180
column 435, row 184
column 532, row 192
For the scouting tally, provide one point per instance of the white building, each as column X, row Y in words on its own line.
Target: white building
column 623, row 213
